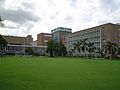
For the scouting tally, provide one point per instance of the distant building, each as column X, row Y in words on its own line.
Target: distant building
column 20, row 49
column 16, row 40
column 60, row 33
column 43, row 38
column 98, row 35
column 17, row 45
column 34, row 43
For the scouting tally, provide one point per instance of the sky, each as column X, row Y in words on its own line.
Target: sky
column 23, row 17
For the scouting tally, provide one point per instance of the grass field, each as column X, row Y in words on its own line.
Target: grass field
column 43, row 73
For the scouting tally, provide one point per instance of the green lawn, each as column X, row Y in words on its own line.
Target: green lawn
column 43, row 73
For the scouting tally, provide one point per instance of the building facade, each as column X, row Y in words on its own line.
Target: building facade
column 16, row 40
column 20, row 49
column 34, row 43
column 60, row 33
column 17, row 45
column 43, row 38
column 98, row 35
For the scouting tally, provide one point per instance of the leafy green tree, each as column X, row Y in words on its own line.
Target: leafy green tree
column 62, row 49
column 110, row 50
column 29, row 51
column 3, row 43
column 56, row 49
column 51, row 47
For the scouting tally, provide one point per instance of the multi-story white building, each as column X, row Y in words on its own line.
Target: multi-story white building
column 59, row 34
column 98, row 35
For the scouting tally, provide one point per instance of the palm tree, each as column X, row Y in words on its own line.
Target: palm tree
column 100, row 52
column 91, row 48
column 83, row 45
column 110, row 50
column 76, row 47
column 71, row 52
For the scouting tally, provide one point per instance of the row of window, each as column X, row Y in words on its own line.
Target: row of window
column 86, row 33
column 94, row 38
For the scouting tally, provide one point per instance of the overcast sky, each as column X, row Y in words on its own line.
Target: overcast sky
column 23, row 17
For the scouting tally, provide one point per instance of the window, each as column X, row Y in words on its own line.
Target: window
column 104, row 40
column 119, row 40
column 119, row 29
column 118, row 35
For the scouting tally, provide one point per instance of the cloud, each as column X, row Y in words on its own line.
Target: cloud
column 27, row 6
column 73, row 3
column 9, row 24
column 35, row 16
column 110, row 4
column 19, row 16
column 2, row 1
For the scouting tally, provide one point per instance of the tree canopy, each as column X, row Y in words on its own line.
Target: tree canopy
column 56, row 49
column 3, row 43
column 29, row 51
column 111, row 50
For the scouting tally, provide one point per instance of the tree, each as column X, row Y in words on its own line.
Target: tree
column 56, row 49
column 91, row 48
column 3, row 43
column 119, row 51
column 76, row 47
column 110, row 50
column 83, row 45
column 29, row 51
column 70, row 52
column 50, row 47
column 100, row 52
column 80, row 45
column 62, row 49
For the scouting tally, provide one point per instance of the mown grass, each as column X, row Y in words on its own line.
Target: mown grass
column 43, row 73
